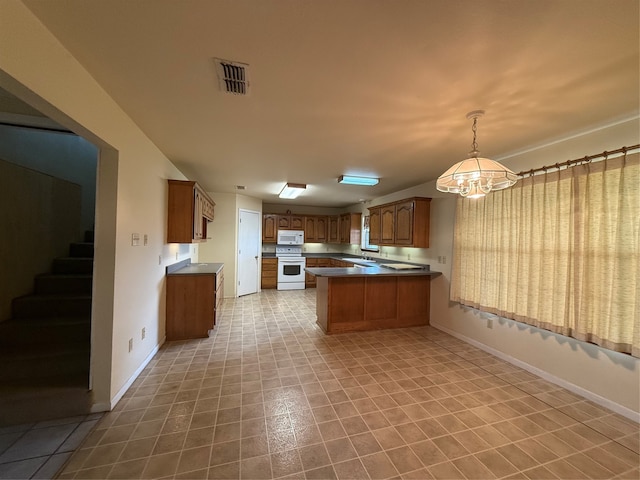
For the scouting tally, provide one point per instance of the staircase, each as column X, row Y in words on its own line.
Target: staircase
column 45, row 346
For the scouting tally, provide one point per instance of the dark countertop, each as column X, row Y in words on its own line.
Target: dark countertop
column 189, row 268
column 369, row 271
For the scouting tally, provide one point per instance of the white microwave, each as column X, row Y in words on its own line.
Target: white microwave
column 290, row 237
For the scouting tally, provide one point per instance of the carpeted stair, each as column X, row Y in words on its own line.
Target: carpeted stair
column 45, row 346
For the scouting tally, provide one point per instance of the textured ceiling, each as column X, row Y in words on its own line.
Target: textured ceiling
column 372, row 87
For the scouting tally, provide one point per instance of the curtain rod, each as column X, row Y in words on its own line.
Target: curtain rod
column 579, row 161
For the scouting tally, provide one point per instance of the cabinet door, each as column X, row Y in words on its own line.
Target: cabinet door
column 190, row 306
column 321, row 229
column 269, row 228
column 296, row 222
column 334, row 229
column 345, row 224
column 404, row 223
column 310, row 280
column 284, row 222
column 374, row 226
column 387, row 225
column 309, row 229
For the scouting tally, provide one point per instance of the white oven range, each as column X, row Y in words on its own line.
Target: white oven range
column 290, row 267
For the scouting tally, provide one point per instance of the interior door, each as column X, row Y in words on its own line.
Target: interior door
column 248, row 252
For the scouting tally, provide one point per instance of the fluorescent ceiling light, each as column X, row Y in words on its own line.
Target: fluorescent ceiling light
column 351, row 180
column 292, row 190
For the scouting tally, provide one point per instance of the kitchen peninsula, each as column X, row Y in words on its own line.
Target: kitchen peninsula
column 372, row 297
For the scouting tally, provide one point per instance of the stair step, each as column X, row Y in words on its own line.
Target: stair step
column 46, row 306
column 41, row 365
column 81, row 250
column 23, row 333
column 73, row 265
column 52, row 399
column 79, row 283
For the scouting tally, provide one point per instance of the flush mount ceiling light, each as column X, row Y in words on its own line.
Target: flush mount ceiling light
column 351, row 180
column 475, row 176
column 292, row 190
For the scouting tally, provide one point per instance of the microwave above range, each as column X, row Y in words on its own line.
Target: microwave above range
column 290, row 237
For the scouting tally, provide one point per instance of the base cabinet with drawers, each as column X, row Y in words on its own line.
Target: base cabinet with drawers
column 194, row 298
column 269, row 276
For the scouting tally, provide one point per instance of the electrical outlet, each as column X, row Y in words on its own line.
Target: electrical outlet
column 159, row 259
column 143, row 333
column 408, row 256
column 145, row 239
column 489, row 322
column 130, row 344
column 176, row 255
column 444, row 260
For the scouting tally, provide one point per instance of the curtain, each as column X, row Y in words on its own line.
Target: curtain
column 560, row 251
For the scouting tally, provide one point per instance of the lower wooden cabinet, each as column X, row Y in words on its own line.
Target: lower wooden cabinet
column 193, row 302
column 269, row 278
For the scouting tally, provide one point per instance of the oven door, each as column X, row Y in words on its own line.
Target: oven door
column 291, row 270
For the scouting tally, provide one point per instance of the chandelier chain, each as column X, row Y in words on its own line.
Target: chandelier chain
column 474, row 128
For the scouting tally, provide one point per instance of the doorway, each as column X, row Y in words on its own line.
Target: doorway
column 248, row 252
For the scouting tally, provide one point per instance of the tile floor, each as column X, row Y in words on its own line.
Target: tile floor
column 39, row 450
column 270, row 396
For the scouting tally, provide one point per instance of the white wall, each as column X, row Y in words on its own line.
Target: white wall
column 131, row 193
column 606, row 377
column 222, row 247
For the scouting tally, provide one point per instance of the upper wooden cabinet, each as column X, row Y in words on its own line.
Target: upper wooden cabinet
column 315, row 229
column 374, row 226
column 290, row 222
column 190, row 210
column 272, row 222
column 269, row 228
column 334, row 229
column 345, row 228
column 350, row 228
column 404, row 223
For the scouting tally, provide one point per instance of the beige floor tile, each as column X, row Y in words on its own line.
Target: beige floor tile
column 268, row 395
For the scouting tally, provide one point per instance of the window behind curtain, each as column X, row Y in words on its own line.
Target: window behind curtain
column 559, row 251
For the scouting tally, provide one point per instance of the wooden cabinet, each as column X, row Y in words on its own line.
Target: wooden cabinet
column 193, row 302
column 310, row 280
column 269, row 228
column 334, row 229
column 374, row 226
column 350, row 228
column 290, row 222
column 404, row 223
column 345, row 228
column 387, row 225
column 269, row 276
column 315, row 229
column 362, row 303
column 190, row 210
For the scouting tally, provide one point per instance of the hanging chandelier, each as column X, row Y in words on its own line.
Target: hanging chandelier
column 475, row 176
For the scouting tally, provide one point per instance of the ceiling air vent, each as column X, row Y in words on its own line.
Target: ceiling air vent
column 232, row 76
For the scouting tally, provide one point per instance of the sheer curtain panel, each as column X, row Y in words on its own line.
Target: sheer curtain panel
column 559, row 251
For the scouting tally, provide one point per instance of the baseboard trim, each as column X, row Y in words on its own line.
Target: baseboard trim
column 589, row 395
column 118, row 396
